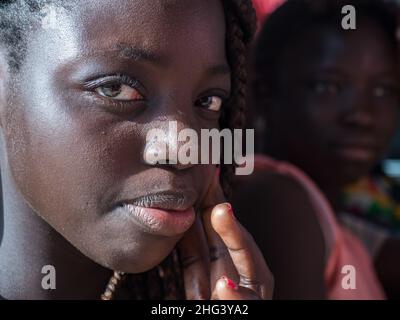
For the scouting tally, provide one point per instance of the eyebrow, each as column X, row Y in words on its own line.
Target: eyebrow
column 222, row 69
column 339, row 71
column 138, row 54
column 336, row 70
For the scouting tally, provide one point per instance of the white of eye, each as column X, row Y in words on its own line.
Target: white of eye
column 212, row 103
column 323, row 87
column 379, row 92
column 120, row 92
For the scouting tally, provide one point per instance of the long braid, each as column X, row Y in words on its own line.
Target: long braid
column 240, row 28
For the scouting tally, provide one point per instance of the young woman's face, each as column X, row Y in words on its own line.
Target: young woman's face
column 338, row 103
column 95, row 80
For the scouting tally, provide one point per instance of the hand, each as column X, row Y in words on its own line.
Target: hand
column 220, row 258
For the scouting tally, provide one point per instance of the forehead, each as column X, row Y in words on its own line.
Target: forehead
column 153, row 22
column 177, row 28
column 367, row 48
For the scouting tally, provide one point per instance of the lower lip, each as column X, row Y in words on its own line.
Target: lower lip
column 161, row 222
column 359, row 154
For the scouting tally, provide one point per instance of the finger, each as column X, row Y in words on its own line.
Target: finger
column 247, row 258
column 221, row 263
column 227, row 227
column 220, row 260
column 227, row 289
column 195, row 261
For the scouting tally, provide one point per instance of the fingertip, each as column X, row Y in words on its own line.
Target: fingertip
column 220, row 285
column 222, row 217
column 225, row 283
column 230, row 283
column 227, row 289
column 222, row 210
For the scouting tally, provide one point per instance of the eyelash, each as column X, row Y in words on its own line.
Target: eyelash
column 325, row 84
column 391, row 90
column 120, row 79
column 222, row 96
column 110, row 79
column 116, row 79
column 123, row 79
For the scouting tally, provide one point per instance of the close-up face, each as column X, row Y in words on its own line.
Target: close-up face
column 95, row 79
column 337, row 109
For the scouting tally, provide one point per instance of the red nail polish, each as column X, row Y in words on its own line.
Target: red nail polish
column 230, row 283
column 230, row 210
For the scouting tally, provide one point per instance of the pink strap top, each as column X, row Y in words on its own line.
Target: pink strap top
column 263, row 8
column 343, row 248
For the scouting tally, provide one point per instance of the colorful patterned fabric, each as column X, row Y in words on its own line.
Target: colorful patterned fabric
column 376, row 199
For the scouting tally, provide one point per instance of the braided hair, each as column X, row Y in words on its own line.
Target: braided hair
column 16, row 18
column 240, row 28
column 166, row 280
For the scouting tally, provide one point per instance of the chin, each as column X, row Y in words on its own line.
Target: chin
column 137, row 260
column 361, row 169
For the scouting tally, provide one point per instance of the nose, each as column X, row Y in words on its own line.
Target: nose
column 359, row 119
column 173, row 143
column 359, row 112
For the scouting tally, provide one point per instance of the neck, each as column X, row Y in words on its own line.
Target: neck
column 29, row 244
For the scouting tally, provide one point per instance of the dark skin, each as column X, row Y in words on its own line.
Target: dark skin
column 74, row 124
column 343, row 105
column 333, row 117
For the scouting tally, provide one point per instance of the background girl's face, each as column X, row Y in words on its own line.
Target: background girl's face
column 337, row 108
column 95, row 80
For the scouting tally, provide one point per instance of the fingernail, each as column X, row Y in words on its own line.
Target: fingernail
column 230, row 210
column 232, row 285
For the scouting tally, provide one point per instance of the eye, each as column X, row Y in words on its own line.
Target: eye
column 120, row 92
column 323, row 87
column 212, row 103
column 117, row 87
column 383, row 91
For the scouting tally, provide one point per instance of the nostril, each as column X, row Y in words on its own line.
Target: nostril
column 359, row 119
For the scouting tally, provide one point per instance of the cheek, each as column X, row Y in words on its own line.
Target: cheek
column 310, row 121
column 322, row 118
column 387, row 121
column 70, row 170
column 392, row 115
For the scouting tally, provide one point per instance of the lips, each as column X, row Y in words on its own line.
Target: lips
column 167, row 213
column 166, row 200
column 358, row 151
